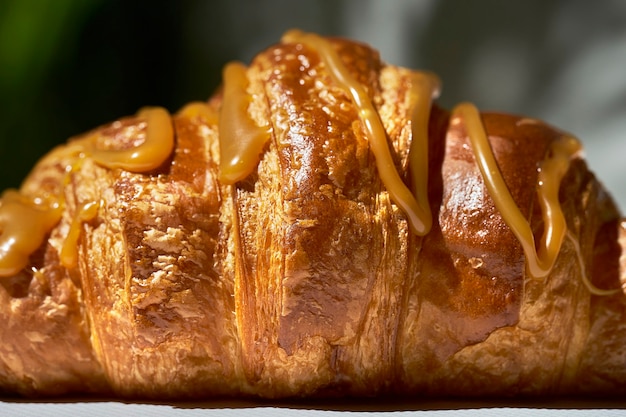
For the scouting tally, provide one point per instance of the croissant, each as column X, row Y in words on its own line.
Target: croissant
column 320, row 227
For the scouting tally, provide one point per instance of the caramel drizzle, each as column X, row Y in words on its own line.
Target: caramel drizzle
column 241, row 139
column 153, row 152
column 424, row 89
column 69, row 251
column 417, row 210
column 25, row 222
column 540, row 261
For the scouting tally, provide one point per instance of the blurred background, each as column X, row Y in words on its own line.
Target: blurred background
column 67, row 66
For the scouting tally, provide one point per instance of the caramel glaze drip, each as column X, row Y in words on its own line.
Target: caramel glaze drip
column 415, row 205
column 69, row 251
column 551, row 171
column 25, row 222
column 424, row 89
column 157, row 147
column 241, row 140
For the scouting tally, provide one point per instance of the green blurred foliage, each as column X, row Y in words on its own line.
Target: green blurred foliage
column 36, row 37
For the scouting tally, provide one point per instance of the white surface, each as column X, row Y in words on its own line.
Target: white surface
column 440, row 409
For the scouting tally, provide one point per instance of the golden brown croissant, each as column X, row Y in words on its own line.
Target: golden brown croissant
column 317, row 228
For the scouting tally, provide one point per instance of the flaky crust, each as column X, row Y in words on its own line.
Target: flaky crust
column 304, row 279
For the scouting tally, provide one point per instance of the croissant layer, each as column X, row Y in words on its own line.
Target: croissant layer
column 304, row 277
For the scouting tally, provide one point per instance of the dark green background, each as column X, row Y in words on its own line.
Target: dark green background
column 69, row 65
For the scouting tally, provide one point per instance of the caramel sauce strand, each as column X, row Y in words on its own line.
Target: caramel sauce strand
column 551, row 172
column 424, row 89
column 24, row 224
column 539, row 261
column 151, row 154
column 241, row 139
column 69, row 251
column 419, row 216
column 497, row 188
